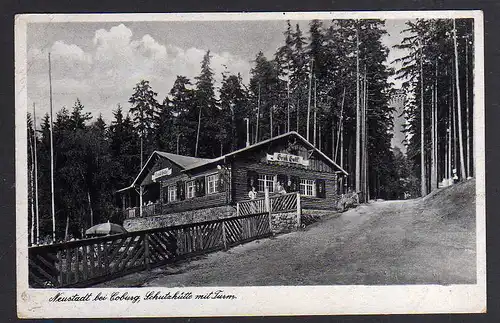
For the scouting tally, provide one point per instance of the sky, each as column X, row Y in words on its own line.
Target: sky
column 100, row 63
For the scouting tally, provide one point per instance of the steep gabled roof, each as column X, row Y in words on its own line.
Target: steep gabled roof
column 239, row 151
column 180, row 160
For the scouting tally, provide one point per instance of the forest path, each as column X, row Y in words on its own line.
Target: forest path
column 421, row 241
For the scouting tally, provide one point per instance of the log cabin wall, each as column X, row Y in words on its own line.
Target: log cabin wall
column 240, row 183
column 197, row 202
column 257, row 161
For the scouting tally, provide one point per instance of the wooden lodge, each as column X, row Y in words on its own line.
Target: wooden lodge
column 169, row 184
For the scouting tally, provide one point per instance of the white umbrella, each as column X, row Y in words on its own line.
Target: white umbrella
column 105, row 229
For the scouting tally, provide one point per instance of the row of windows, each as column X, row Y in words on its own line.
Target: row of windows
column 211, row 188
column 307, row 187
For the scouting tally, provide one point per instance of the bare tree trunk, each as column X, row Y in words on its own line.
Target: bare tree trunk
column 32, row 224
column 362, row 138
column 233, row 129
column 309, row 101
column 319, row 137
column 288, row 105
column 358, row 120
column 454, row 137
column 340, row 125
column 198, row 133
column 271, row 120
column 90, row 209
column 467, row 117
column 436, row 126
column 459, row 106
column 298, row 113
column 36, row 178
column 433, row 137
column 450, row 134
column 52, row 192
column 365, row 140
column 142, row 153
column 258, row 117
column 423, row 178
column 315, row 114
column 334, row 152
column 66, row 230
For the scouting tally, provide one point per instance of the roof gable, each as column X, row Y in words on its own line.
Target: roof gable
column 182, row 161
column 265, row 142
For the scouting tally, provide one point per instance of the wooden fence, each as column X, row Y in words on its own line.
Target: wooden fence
column 86, row 262
column 284, row 203
column 270, row 204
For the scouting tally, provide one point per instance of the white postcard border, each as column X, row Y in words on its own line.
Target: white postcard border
column 279, row 300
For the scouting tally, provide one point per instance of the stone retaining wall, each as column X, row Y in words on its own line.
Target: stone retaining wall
column 186, row 217
column 320, row 213
column 284, row 222
column 280, row 222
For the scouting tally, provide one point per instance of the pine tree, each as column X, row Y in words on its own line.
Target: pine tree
column 144, row 111
column 182, row 100
column 234, row 109
column 208, row 112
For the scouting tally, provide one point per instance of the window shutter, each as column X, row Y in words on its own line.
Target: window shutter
column 320, row 188
column 199, row 187
column 220, row 183
column 180, row 190
column 203, row 191
column 164, row 194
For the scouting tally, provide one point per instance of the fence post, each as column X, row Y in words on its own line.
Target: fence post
column 299, row 210
column 146, row 251
column 238, row 209
column 267, row 203
column 224, row 237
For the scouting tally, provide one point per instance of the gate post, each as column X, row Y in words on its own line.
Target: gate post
column 267, row 203
column 299, row 210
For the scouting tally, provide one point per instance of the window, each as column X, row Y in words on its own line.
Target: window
column 189, row 189
column 266, row 181
column 172, row 193
column 212, row 183
column 307, row 187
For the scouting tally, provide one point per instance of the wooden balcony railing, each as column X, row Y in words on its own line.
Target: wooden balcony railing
column 147, row 210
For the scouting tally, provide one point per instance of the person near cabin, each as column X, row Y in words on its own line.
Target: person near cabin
column 455, row 176
column 280, row 189
column 252, row 195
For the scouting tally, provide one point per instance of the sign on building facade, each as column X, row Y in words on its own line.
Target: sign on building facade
column 287, row 158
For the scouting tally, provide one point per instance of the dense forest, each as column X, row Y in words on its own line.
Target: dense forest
column 438, row 74
column 329, row 83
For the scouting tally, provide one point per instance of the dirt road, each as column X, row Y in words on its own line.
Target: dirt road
column 391, row 242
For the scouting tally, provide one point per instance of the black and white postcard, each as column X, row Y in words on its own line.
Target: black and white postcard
column 225, row 164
